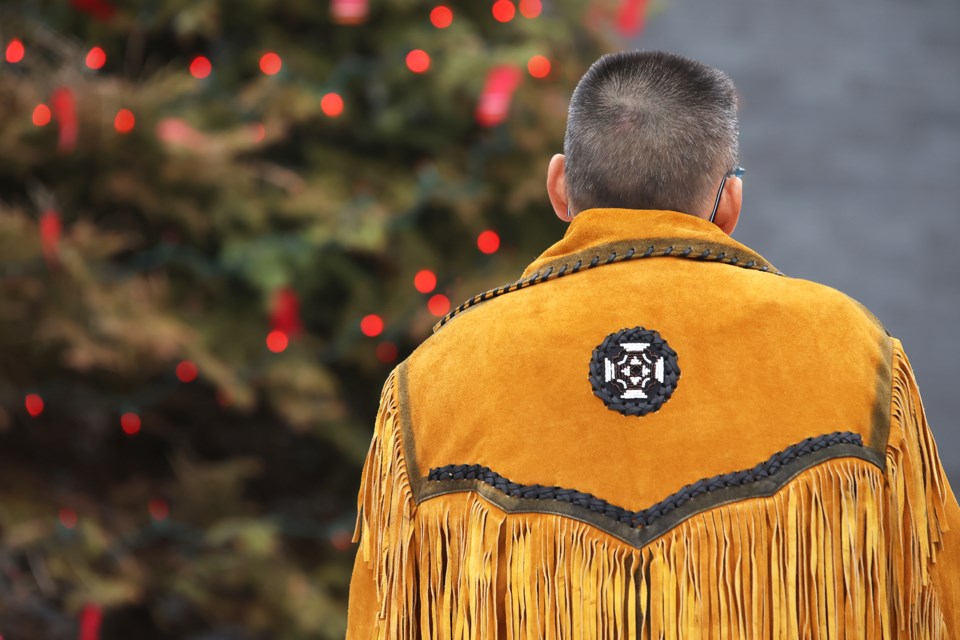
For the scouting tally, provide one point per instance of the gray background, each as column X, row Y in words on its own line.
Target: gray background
column 850, row 134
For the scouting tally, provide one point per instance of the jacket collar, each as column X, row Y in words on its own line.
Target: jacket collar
column 600, row 232
column 597, row 237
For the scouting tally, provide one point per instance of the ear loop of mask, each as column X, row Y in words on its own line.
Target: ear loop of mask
column 717, row 202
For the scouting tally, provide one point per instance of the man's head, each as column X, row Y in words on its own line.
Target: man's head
column 649, row 130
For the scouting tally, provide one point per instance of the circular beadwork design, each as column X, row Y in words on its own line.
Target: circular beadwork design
column 634, row 371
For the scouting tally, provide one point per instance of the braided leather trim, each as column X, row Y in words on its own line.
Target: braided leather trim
column 665, row 249
column 646, row 517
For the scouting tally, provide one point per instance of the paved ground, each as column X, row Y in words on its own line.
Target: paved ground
column 851, row 140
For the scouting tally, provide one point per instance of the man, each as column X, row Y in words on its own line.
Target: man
column 654, row 433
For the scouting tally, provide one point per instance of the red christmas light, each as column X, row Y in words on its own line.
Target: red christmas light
column 498, row 89
column 331, row 104
column 285, row 312
column 130, row 423
column 177, row 131
column 34, row 404
column 68, row 518
column 41, row 115
column 425, row 281
column 270, row 63
column 65, row 112
column 15, row 51
column 277, row 341
column 96, row 58
column 503, row 10
column 488, row 241
column 186, row 371
column 124, row 121
column 371, row 325
column 259, row 132
column 631, row 16
column 200, row 67
column 441, row 16
column 539, row 66
column 386, row 352
column 90, row 618
column 530, row 8
column 349, row 11
column 418, row 61
column 51, row 228
column 159, row 509
column 438, row 305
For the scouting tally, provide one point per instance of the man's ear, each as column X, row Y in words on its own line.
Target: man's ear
column 557, row 186
column 728, row 211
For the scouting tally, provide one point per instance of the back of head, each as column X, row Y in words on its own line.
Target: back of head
column 649, row 130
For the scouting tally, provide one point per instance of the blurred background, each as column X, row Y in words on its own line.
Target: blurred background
column 222, row 224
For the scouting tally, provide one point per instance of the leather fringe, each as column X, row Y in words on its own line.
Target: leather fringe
column 384, row 525
column 842, row 551
column 916, row 518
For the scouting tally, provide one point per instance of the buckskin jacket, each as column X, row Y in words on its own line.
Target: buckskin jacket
column 654, row 433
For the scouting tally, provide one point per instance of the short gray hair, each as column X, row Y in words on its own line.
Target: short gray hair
column 649, row 130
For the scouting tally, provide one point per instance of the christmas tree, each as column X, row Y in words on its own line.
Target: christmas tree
column 221, row 225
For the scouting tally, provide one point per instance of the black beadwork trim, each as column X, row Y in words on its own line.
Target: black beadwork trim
column 631, row 254
column 657, row 393
column 646, row 517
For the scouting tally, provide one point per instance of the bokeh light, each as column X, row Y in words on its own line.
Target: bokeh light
column 425, row 281
column 41, row 115
column 270, row 63
column 186, row 371
column 124, row 121
column 530, row 8
column 441, row 16
column 34, row 404
column 439, row 305
column 15, row 51
column 200, row 67
column 488, row 241
column 418, row 61
column 68, row 518
column 539, row 66
column 277, row 341
column 96, row 58
column 503, row 10
column 331, row 104
column 130, row 423
column 371, row 325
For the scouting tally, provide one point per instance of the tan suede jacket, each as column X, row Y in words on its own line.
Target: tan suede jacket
column 655, row 434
